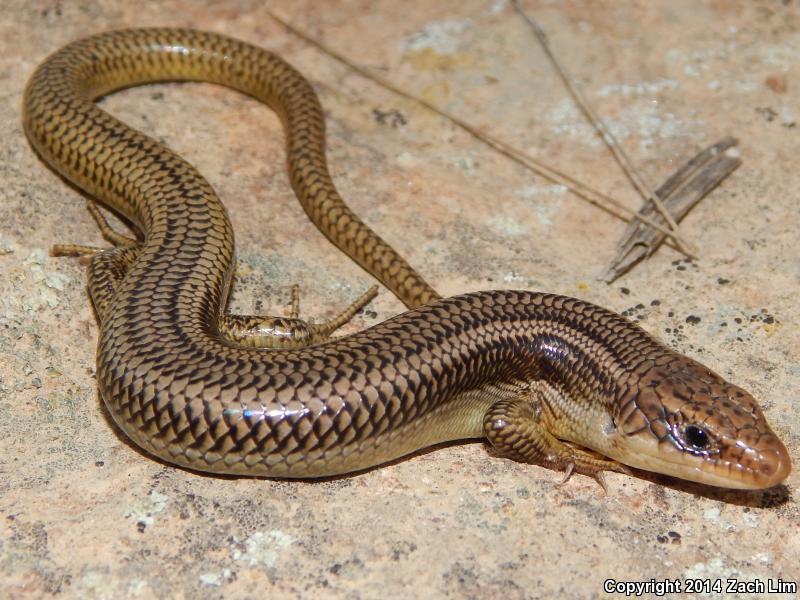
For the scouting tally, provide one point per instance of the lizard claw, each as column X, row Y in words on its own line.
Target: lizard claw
column 568, row 472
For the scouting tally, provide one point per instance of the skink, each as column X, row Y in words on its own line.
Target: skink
column 546, row 378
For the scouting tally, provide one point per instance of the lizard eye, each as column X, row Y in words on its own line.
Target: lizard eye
column 696, row 437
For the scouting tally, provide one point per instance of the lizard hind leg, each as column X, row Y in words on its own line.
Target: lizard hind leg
column 106, row 266
column 85, row 253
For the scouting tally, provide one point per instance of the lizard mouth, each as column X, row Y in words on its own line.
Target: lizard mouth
column 735, row 467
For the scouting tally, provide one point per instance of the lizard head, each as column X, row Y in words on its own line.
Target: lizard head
column 684, row 420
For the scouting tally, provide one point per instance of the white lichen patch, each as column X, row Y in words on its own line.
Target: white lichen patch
column 644, row 120
column 441, row 36
column 6, row 246
column 465, row 163
column 263, row 548
column 644, row 88
column 762, row 558
column 98, row 584
column 48, row 283
column 786, row 116
column 407, row 160
column 715, row 568
column 137, row 587
column 210, row 579
column 512, row 277
column 697, row 62
column 507, row 225
column 784, row 56
column 145, row 511
column 712, row 514
column 495, row 8
column 545, row 200
column 750, row 519
column 216, row 579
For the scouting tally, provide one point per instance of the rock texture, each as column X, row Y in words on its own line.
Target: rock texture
column 85, row 515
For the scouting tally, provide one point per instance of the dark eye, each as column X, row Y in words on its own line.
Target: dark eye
column 696, row 437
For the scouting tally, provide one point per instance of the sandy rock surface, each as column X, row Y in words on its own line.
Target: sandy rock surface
column 86, row 515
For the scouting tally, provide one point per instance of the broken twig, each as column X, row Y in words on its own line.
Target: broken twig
column 685, row 188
